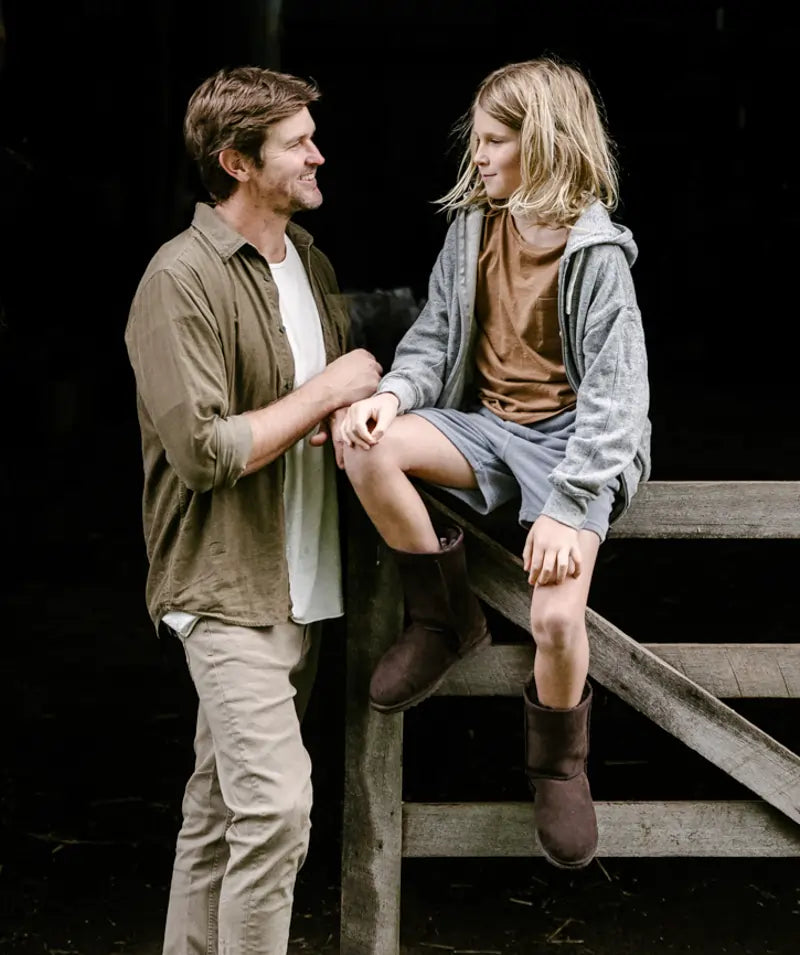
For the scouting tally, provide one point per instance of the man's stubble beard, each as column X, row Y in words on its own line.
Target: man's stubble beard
column 305, row 205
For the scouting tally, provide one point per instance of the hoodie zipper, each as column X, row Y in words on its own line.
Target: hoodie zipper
column 570, row 265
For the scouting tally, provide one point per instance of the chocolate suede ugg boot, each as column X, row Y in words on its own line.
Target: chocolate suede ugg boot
column 446, row 624
column 556, row 747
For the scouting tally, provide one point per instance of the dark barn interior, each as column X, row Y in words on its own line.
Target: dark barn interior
column 98, row 713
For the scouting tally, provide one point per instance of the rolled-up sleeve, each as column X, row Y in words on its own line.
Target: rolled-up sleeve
column 176, row 353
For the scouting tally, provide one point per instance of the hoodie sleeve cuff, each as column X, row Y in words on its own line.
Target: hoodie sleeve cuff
column 404, row 391
column 564, row 509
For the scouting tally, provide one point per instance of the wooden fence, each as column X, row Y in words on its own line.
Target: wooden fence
column 679, row 686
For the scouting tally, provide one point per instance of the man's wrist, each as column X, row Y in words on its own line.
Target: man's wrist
column 321, row 394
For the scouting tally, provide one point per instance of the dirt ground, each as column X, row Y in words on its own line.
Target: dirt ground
column 99, row 719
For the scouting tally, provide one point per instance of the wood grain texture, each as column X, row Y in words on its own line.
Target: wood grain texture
column 649, row 684
column 626, row 829
column 699, row 510
column 728, row 671
column 749, row 510
column 372, row 827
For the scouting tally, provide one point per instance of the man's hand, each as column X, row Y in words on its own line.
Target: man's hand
column 551, row 552
column 351, row 377
column 367, row 421
column 331, row 427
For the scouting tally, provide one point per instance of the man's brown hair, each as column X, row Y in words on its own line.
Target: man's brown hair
column 234, row 109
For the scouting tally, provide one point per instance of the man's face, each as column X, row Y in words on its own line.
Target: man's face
column 496, row 153
column 287, row 180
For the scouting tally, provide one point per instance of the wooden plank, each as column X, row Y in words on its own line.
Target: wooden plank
column 737, row 670
column 372, row 825
column 728, row 829
column 726, row 670
column 695, row 716
column 713, row 509
column 653, row 687
column 742, row 510
column 497, row 671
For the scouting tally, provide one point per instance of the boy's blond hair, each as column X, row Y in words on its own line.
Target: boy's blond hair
column 566, row 154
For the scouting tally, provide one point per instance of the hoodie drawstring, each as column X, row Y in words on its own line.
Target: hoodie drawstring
column 574, row 272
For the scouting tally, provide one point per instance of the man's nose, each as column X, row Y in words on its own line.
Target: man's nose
column 316, row 156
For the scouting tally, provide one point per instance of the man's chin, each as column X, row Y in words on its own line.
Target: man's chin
column 307, row 204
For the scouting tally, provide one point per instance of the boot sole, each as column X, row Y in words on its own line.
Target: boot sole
column 557, row 862
column 484, row 642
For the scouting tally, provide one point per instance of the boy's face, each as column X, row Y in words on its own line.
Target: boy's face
column 496, row 153
column 287, row 181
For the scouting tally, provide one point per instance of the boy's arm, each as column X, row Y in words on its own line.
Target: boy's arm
column 418, row 371
column 612, row 401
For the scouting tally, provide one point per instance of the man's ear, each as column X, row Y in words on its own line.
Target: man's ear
column 235, row 164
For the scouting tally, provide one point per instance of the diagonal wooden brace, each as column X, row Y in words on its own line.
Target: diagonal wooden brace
column 647, row 683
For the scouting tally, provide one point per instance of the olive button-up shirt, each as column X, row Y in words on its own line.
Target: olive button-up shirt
column 206, row 342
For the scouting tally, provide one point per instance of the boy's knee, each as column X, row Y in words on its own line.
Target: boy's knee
column 557, row 626
column 359, row 463
column 354, row 462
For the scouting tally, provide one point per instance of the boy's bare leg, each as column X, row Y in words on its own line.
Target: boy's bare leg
column 445, row 619
column 412, row 447
column 557, row 713
column 558, row 624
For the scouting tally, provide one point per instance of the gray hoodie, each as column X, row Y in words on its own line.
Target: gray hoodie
column 604, row 355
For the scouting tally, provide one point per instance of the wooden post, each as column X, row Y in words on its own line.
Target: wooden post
column 372, row 829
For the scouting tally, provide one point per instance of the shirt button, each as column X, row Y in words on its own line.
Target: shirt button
column 282, row 330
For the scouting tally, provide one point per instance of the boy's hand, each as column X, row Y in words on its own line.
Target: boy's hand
column 551, row 552
column 367, row 421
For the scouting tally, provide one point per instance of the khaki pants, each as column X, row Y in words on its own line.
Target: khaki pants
column 246, row 806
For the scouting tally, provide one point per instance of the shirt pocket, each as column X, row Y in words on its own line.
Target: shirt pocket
column 540, row 331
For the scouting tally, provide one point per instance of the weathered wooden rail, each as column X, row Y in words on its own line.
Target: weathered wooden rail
column 678, row 686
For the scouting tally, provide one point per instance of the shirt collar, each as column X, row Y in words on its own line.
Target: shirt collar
column 226, row 240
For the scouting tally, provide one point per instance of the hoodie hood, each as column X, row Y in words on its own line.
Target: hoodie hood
column 594, row 227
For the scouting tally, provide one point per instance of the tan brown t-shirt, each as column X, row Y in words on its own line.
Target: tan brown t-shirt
column 519, row 363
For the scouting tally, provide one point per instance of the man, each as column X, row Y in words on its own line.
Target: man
column 236, row 336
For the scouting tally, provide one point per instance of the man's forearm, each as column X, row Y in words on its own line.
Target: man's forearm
column 284, row 422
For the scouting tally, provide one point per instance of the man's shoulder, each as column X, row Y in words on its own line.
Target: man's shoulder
column 185, row 253
column 185, row 263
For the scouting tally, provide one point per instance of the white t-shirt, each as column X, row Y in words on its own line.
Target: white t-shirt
column 310, row 504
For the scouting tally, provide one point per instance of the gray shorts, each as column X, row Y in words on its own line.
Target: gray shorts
column 511, row 459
